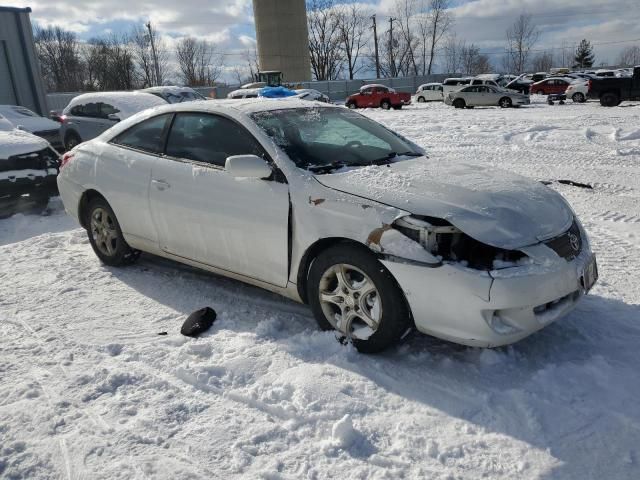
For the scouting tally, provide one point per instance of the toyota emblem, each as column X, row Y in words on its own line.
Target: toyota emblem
column 574, row 241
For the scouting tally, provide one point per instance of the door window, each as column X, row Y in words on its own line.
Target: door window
column 107, row 109
column 147, row 136
column 209, row 139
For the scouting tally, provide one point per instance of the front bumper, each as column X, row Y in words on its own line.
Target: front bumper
column 473, row 308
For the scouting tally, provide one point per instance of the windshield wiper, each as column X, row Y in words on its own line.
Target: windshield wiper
column 329, row 167
column 392, row 155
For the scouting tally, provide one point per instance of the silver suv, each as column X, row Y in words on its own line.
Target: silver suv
column 90, row 114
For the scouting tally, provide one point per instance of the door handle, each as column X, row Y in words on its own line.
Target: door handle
column 160, row 184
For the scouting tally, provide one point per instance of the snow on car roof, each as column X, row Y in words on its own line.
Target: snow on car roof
column 19, row 142
column 369, row 85
column 128, row 103
column 167, row 89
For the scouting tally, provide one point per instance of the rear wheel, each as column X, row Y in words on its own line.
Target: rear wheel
column 106, row 236
column 459, row 103
column 350, row 291
column 609, row 100
column 578, row 97
column 352, row 105
column 421, row 100
column 505, row 102
column 385, row 104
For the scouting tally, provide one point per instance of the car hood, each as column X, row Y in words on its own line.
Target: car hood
column 35, row 124
column 495, row 207
column 18, row 142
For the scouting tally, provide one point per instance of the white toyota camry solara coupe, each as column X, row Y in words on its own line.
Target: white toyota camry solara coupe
column 327, row 207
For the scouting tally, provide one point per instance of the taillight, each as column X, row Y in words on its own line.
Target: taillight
column 66, row 158
column 589, row 83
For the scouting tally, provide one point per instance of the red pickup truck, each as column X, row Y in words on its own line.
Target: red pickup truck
column 374, row 96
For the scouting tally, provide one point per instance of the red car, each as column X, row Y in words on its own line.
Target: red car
column 549, row 86
column 374, row 96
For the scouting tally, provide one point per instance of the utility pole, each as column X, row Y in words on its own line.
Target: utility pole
column 375, row 42
column 392, row 61
column 153, row 52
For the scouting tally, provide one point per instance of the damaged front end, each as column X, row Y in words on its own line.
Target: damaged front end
column 434, row 241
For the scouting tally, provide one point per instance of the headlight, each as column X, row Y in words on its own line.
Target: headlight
column 451, row 244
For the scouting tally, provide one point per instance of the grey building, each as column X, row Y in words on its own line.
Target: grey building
column 20, row 79
column 283, row 39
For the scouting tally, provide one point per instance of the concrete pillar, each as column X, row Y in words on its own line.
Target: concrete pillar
column 283, row 39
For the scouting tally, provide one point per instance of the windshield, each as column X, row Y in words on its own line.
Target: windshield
column 322, row 139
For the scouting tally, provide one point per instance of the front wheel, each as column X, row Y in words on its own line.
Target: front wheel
column 421, row 100
column 505, row 102
column 351, row 292
column 106, row 237
column 352, row 105
column 578, row 97
column 459, row 103
column 385, row 105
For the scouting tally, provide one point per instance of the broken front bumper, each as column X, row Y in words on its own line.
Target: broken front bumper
column 473, row 308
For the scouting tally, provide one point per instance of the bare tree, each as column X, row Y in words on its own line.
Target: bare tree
column 353, row 25
column 198, row 61
column 542, row 62
column 151, row 56
column 472, row 61
column 407, row 40
column 629, row 57
column 439, row 22
column 111, row 64
column 453, row 54
column 325, row 40
column 521, row 37
column 59, row 54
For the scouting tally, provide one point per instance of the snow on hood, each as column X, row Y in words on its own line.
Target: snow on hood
column 18, row 142
column 493, row 206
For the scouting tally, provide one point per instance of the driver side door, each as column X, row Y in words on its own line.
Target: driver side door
column 204, row 214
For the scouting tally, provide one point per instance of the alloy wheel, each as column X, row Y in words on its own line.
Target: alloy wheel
column 104, row 232
column 350, row 301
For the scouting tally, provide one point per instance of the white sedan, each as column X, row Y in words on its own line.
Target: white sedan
column 325, row 206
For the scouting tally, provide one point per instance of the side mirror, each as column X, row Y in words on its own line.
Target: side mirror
column 113, row 117
column 247, row 166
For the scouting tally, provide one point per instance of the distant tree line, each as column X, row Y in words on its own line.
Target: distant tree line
column 138, row 59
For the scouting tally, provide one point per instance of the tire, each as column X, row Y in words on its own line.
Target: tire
column 578, row 97
column 385, row 104
column 71, row 140
column 352, row 105
column 421, row 100
column 609, row 100
column 383, row 304
column 505, row 102
column 105, row 235
column 459, row 103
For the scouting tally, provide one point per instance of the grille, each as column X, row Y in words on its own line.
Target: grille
column 39, row 160
column 569, row 244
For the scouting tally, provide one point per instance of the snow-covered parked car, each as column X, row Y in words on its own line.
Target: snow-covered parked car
column 28, row 170
column 311, row 94
column 578, row 90
column 173, row 94
column 25, row 119
column 90, row 114
column 328, row 207
column 486, row 96
column 244, row 93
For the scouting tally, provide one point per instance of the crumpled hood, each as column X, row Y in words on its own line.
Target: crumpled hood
column 493, row 206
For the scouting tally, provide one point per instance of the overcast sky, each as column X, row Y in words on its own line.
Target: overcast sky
column 229, row 23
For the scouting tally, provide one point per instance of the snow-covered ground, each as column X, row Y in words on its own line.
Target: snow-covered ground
column 89, row 390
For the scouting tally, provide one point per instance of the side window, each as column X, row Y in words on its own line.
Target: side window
column 91, row 110
column 439, row 88
column 77, row 111
column 366, row 91
column 476, row 82
column 146, row 136
column 107, row 109
column 209, row 139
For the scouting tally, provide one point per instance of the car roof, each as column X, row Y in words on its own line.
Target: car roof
column 167, row 88
column 129, row 103
column 368, row 85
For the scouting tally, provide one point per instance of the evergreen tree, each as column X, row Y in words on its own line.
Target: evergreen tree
column 584, row 55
